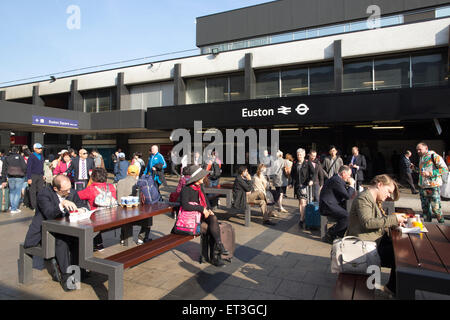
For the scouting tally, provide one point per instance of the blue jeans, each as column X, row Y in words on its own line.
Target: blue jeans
column 15, row 191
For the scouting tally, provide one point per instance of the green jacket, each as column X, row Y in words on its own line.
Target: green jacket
column 366, row 220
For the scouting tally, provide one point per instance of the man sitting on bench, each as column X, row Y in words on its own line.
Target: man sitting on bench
column 333, row 197
column 53, row 203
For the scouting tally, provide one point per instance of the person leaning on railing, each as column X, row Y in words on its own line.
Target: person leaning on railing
column 368, row 221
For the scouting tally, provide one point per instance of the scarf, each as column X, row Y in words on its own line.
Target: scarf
column 201, row 196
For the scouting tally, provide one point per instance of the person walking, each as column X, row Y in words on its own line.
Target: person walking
column 431, row 169
column 13, row 173
column 280, row 184
column 215, row 167
column 156, row 165
column 358, row 165
column 302, row 177
column 406, row 171
column 35, row 173
column 120, row 168
column 318, row 178
column 332, row 163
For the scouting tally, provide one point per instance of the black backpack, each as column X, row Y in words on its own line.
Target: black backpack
column 215, row 171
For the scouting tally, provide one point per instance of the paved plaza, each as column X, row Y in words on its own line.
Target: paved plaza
column 270, row 263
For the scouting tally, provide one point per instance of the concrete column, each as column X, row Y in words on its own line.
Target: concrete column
column 5, row 140
column 37, row 137
column 122, row 143
column 123, row 94
column 75, row 99
column 37, row 100
column 179, row 92
column 338, row 66
column 2, row 95
column 249, row 78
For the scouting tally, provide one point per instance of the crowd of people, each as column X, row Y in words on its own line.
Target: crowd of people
column 80, row 181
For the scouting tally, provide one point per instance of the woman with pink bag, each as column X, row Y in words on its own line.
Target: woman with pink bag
column 193, row 199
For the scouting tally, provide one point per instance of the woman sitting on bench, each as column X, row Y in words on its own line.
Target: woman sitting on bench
column 368, row 221
column 193, row 192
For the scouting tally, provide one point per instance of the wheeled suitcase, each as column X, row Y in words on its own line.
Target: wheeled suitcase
column 4, row 199
column 312, row 214
column 228, row 236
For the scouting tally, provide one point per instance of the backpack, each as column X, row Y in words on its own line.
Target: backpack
column 148, row 191
column 215, row 171
column 442, row 163
column 105, row 198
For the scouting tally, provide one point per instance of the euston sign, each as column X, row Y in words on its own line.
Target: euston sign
column 302, row 109
column 55, row 122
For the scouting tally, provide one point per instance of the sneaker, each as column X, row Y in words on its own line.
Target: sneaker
column 139, row 242
column 328, row 239
column 15, row 211
column 441, row 221
column 122, row 242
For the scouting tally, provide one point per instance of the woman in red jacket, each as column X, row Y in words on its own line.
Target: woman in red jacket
column 63, row 165
column 99, row 177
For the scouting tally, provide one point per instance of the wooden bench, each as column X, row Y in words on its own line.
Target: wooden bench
column 352, row 287
column 134, row 256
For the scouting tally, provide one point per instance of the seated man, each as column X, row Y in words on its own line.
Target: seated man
column 53, row 203
column 333, row 197
column 127, row 187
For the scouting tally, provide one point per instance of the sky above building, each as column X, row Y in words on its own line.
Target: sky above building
column 41, row 38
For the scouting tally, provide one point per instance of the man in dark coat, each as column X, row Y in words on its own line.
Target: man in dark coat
column 358, row 165
column 82, row 167
column 35, row 172
column 241, row 187
column 406, row 171
column 53, row 203
column 333, row 199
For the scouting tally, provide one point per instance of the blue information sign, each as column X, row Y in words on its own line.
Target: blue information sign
column 55, row 122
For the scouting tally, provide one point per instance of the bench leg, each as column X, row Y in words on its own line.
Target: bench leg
column 25, row 266
column 115, row 284
column 405, row 286
column 248, row 212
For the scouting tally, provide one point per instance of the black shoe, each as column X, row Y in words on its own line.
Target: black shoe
column 99, row 247
column 66, row 283
column 328, row 239
column 414, row 192
column 301, row 224
column 56, row 273
column 221, row 249
column 218, row 261
column 269, row 223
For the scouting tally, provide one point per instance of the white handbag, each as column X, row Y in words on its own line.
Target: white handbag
column 353, row 255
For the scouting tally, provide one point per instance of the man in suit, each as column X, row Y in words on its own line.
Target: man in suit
column 82, row 167
column 406, row 171
column 333, row 199
column 358, row 165
column 53, row 203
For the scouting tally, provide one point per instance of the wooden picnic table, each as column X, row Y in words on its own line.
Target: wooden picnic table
column 85, row 230
column 422, row 260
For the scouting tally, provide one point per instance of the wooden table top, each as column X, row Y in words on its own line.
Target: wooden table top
column 108, row 218
column 428, row 251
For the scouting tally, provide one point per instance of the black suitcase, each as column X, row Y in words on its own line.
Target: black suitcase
column 228, row 236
